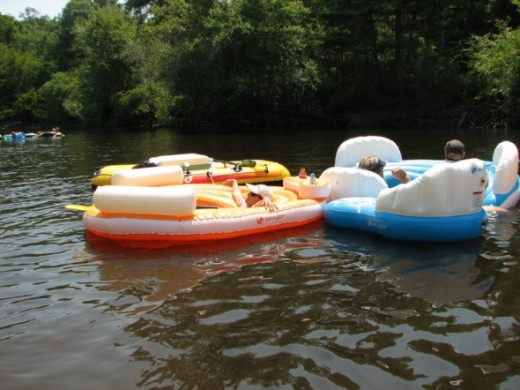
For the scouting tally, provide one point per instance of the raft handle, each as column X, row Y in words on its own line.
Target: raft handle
column 236, row 166
column 186, row 167
column 210, row 175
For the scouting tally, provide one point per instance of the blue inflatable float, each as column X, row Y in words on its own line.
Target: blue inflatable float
column 442, row 203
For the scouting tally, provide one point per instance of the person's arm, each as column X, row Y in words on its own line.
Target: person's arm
column 401, row 175
column 237, row 194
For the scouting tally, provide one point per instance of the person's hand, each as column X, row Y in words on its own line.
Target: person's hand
column 230, row 183
column 268, row 204
column 400, row 174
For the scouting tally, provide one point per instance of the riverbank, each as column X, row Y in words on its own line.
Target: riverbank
column 375, row 119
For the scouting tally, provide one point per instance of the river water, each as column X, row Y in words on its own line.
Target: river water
column 311, row 308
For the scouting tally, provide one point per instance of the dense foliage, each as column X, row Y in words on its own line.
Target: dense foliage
column 262, row 63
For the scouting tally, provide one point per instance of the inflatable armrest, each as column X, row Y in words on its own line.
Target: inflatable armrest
column 444, row 190
column 352, row 182
column 505, row 159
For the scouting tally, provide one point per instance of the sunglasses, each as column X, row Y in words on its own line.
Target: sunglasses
column 379, row 166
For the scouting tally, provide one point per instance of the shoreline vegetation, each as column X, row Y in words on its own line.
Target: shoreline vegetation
column 369, row 120
column 269, row 64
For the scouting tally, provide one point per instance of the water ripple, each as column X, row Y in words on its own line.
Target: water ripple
column 312, row 308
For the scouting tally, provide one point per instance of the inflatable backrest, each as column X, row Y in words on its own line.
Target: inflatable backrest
column 505, row 159
column 154, row 176
column 171, row 201
column 351, row 151
column 284, row 196
column 352, row 182
column 443, row 190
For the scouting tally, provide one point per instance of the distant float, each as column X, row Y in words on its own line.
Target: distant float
column 20, row 136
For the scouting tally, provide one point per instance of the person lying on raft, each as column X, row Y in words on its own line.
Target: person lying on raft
column 454, row 150
column 259, row 195
column 376, row 165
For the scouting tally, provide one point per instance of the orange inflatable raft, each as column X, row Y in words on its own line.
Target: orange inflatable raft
column 186, row 214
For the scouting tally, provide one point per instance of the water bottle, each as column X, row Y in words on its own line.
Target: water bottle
column 313, row 179
column 303, row 174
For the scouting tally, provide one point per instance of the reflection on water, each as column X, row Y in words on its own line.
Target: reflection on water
column 314, row 307
column 157, row 275
column 320, row 317
column 437, row 274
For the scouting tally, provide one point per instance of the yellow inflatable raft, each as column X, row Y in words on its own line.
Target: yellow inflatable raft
column 187, row 214
column 196, row 169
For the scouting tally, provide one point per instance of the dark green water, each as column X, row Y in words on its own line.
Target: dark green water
column 313, row 308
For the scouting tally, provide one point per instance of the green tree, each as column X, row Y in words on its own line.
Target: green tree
column 27, row 61
column 496, row 63
column 398, row 53
column 103, row 72
column 245, row 60
column 74, row 11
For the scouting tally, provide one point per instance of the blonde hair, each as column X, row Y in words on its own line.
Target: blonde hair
column 372, row 163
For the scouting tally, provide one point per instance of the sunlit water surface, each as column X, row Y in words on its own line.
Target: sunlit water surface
column 316, row 307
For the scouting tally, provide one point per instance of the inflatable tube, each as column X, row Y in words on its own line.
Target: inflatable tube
column 14, row 137
column 47, row 134
column 154, row 176
column 204, row 225
column 190, row 160
column 361, row 214
column 167, row 201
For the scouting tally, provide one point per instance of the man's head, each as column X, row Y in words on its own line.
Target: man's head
column 454, row 150
column 372, row 163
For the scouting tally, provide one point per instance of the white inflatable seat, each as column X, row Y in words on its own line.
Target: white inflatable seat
column 193, row 160
column 444, row 190
column 171, row 201
column 351, row 150
column 352, row 182
column 505, row 159
column 153, row 176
